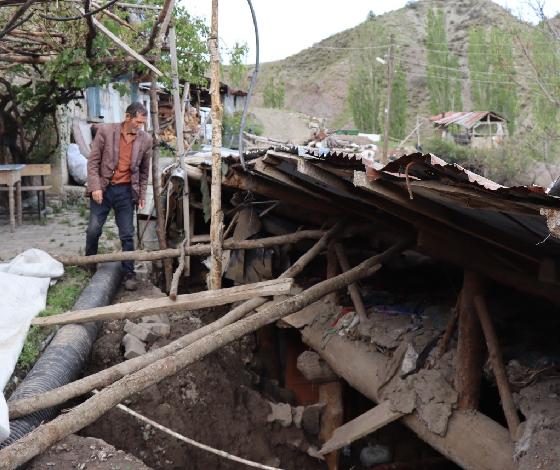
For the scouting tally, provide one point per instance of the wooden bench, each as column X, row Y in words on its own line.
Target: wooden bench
column 41, row 170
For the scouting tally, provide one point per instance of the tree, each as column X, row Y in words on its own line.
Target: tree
column 77, row 57
column 367, row 78
column 274, row 92
column 444, row 77
column 492, row 70
column 237, row 69
column 399, row 99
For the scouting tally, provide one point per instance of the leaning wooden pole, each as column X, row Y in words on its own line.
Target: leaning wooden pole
column 106, row 377
column 498, row 367
column 217, row 219
column 77, row 418
column 156, row 181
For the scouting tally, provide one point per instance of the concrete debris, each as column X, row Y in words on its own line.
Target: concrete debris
column 297, row 415
column 133, row 347
column 311, row 419
column 140, row 332
column 410, row 358
column 159, row 329
column 280, row 412
column 158, row 318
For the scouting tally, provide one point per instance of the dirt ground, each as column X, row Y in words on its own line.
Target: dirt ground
column 282, row 125
column 221, row 401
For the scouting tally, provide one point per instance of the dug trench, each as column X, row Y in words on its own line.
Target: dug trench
column 224, row 400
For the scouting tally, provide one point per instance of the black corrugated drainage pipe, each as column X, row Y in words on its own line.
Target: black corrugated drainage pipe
column 63, row 360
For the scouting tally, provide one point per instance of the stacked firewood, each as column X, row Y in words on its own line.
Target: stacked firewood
column 167, row 123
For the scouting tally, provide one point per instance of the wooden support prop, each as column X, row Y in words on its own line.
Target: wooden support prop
column 352, row 288
column 123, row 46
column 473, row 441
column 145, row 307
column 361, row 426
column 331, row 395
column 498, row 366
column 470, row 347
column 333, row 269
column 194, row 250
column 156, row 182
column 451, row 324
column 217, row 217
column 77, row 418
column 179, row 121
column 106, row 377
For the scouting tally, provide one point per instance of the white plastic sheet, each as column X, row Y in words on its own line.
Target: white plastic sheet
column 24, row 283
column 77, row 164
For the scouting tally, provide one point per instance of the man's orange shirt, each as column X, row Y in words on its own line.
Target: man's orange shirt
column 122, row 173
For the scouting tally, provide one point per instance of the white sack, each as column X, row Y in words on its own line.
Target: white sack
column 22, row 297
column 77, row 164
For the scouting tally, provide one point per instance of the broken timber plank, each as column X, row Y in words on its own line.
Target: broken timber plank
column 145, row 307
column 473, row 441
column 363, row 425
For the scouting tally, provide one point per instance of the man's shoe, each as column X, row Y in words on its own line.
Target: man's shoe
column 130, row 282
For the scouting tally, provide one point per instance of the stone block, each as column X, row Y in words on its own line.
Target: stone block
column 160, row 329
column 133, row 347
column 140, row 332
column 311, row 419
column 159, row 318
column 281, row 412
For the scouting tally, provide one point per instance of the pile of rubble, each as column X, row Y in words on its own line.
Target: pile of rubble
column 139, row 335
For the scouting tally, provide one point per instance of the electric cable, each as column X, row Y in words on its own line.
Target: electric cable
column 250, row 92
column 79, row 17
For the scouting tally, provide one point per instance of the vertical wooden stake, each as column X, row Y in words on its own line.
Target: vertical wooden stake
column 217, row 220
column 470, row 347
column 330, row 393
column 156, row 181
column 498, row 366
column 179, row 121
column 333, row 270
column 352, row 288
column 385, row 158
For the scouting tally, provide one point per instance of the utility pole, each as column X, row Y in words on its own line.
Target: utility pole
column 385, row 158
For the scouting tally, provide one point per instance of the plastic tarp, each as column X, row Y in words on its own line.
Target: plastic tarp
column 77, row 164
column 24, row 283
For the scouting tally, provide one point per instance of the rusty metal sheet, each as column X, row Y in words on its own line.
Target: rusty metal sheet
column 465, row 118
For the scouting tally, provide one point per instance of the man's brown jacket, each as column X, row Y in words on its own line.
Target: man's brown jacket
column 104, row 159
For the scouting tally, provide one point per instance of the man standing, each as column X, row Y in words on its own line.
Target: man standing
column 117, row 175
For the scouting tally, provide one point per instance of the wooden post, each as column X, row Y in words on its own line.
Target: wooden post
column 156, row 182
column 217, row 220
column 179, row 121
column 330, row 394
column 470, row 348
column 385, row 158
column 498, row 366
column 333, row 270
column 352, row 288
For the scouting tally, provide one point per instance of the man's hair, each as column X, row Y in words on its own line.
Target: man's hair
column 135, row 109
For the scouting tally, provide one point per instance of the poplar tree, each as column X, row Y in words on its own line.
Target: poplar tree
column 444, row 78
column 399, row 99
column 366, row 87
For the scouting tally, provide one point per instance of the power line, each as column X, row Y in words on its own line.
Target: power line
column 470, row 80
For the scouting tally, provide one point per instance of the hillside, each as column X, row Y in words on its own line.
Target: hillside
column 316, row 79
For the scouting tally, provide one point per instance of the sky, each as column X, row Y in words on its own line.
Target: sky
column 289, row 26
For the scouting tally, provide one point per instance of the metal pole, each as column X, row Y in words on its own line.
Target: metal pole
column 385, row 158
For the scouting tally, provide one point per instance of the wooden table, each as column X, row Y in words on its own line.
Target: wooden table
column 10, row 175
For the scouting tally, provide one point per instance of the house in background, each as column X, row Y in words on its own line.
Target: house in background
column 476, row 129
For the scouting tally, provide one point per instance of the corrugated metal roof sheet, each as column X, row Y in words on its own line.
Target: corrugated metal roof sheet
column 465, row 118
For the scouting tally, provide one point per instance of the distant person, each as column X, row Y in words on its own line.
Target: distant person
column 117, row 174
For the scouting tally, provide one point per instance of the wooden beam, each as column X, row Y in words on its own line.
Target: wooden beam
column 333, row 416
column 470, row 346
column 469, row 255
column 473, row 441
column 352, row 288
column 498, row 367
column 146, row 307
column 361, row 426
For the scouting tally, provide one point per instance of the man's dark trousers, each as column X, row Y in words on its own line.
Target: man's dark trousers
column 118, row 197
